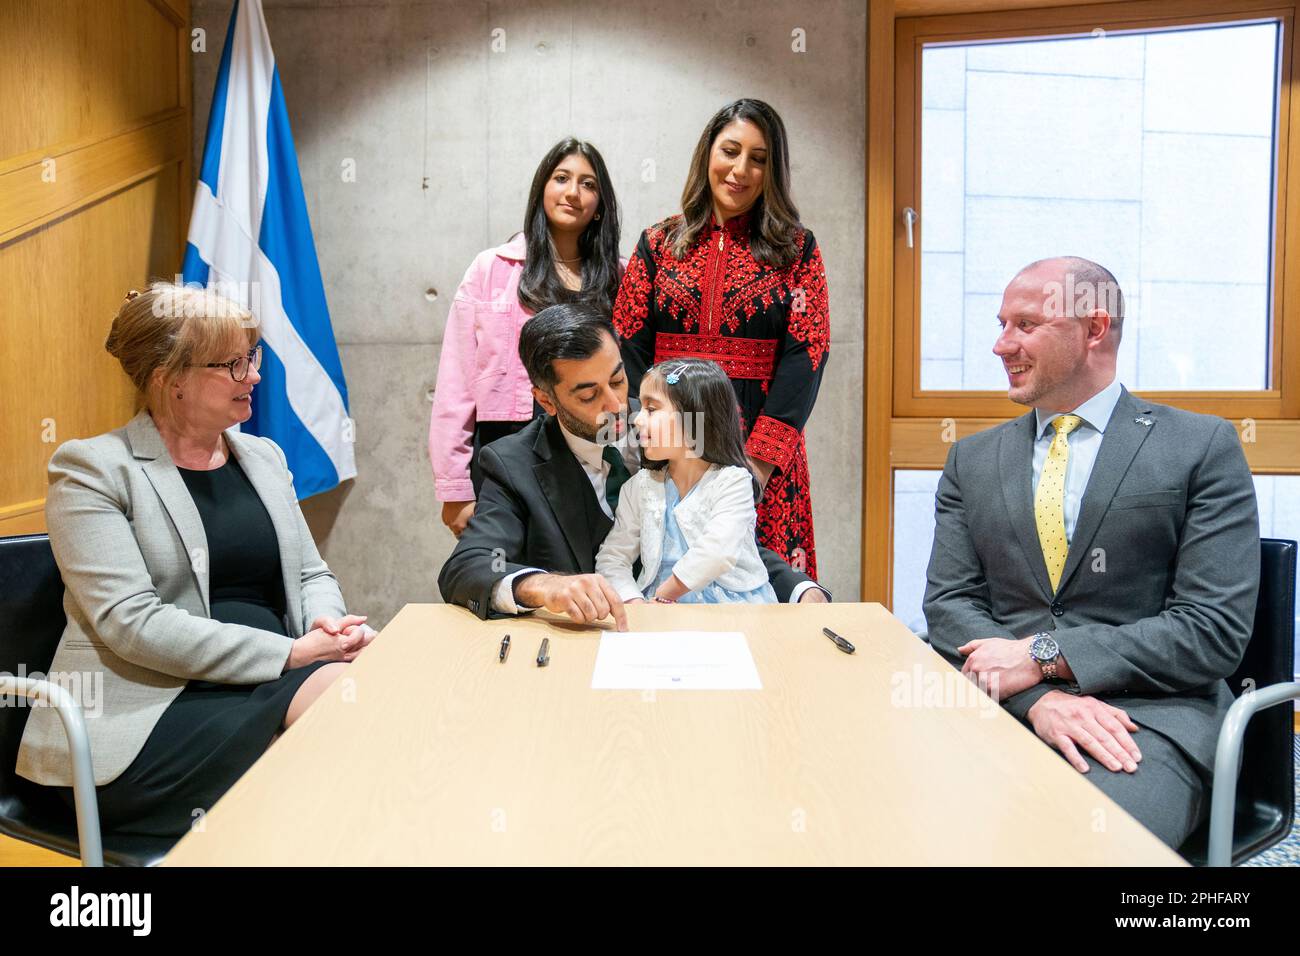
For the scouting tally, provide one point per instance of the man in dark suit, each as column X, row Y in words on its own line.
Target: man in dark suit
column 1096, row 561
column 549, row 491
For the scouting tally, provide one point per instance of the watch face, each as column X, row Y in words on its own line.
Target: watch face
column 1044, row 649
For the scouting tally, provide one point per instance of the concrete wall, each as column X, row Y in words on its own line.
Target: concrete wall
column 412, row 93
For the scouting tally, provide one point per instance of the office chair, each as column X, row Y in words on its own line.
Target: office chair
column 1252, row 810
column 31, row 607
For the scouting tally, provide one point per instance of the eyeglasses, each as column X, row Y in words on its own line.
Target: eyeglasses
column 237, row 367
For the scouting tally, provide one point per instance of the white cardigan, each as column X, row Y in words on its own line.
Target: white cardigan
column 717, row 520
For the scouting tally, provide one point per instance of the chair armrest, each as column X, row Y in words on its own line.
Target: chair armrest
column 1227, row 758
column 83, row 774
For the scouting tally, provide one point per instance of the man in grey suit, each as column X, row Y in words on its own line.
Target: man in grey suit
column 1096, row 561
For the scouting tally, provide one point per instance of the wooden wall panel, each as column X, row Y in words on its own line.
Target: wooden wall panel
column 84, row 69
column 95, row 186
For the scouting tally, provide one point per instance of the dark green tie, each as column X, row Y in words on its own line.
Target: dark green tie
column 618, row 474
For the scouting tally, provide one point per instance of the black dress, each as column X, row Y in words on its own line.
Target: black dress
column 212, row 733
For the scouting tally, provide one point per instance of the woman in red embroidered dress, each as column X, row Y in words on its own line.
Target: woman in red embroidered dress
column 736, row 278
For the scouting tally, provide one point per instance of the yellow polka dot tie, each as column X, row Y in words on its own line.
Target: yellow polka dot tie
column 1049, row 499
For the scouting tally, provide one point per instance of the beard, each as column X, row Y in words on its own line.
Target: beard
column 1044, row 382
column 600, row 434
column 575, row 426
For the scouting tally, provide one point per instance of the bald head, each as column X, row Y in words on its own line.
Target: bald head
column 1060, row 320
column 1078, row 287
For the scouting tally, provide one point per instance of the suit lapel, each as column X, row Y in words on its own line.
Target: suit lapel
column 598, row 521
column 1016, row 469
column 269, row 483
column 147, row 444
column 1119, row 444
column 569, row 494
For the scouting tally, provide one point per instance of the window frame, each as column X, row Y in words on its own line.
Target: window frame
column 903, row 428
column 1282, row 399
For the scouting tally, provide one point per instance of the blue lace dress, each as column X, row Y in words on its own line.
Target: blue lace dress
column 675, row 548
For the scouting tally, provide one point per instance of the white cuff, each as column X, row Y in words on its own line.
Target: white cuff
column 503, row 593
column 630, row 593
column 803, row 586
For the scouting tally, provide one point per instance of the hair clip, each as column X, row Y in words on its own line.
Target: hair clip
column 131, row 295
column 673, row 377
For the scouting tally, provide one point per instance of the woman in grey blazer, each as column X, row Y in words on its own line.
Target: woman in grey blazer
column 193, row 589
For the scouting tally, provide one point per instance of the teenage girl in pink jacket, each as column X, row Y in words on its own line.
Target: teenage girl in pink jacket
column 567, row 252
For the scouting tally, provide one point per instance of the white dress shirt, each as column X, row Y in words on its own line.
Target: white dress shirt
column 1084, row 441
column 591, row 457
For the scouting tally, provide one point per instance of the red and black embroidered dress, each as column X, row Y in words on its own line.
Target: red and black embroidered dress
column 768, row 328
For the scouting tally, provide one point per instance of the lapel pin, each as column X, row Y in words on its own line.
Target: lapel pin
column 1143, row 421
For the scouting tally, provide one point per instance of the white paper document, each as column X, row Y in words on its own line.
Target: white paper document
column 674, row 660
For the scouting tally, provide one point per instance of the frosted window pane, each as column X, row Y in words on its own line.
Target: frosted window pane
column 913, row 535
column 1151, row 153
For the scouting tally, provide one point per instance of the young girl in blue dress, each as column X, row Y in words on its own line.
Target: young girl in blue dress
column 689, row 513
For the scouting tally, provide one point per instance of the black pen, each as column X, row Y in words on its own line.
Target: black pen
column 840, row 642
column 505, row 649
column 544, row 652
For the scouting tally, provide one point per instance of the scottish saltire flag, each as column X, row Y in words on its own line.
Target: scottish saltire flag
column 251, row 241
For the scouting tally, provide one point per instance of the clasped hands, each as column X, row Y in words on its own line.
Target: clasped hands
column 1002, row 668
column 331, row 639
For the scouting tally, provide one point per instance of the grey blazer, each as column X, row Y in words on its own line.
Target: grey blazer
column 131, row 548
column 1157, row 598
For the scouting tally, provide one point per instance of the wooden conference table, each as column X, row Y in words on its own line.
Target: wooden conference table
column 429, row 751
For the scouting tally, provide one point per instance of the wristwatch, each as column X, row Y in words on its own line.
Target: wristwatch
column 1045, row 652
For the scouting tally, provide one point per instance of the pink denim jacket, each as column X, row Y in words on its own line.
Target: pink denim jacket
column 480, row 377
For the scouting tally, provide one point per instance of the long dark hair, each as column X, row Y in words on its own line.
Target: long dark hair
column 773, row 219
column 539, row 286
column 700, row 391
